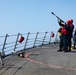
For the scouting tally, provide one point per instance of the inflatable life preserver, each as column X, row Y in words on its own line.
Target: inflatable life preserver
column 52, row 34
column 21, row 39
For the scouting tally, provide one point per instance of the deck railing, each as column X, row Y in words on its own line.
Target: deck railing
column 10, row 43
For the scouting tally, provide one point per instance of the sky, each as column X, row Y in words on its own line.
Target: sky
column 22, row 16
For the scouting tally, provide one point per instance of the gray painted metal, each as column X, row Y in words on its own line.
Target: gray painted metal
column 43, row 60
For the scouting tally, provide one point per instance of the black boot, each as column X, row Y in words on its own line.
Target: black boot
column 59, row 50
column 65, row 50
column 69, row 49
column 74, row 46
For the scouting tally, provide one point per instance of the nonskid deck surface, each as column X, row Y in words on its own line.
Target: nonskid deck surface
column 43, row 60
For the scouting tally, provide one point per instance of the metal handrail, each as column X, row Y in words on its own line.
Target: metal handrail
column 32, row 39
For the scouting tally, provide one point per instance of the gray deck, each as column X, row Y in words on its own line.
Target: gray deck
column 43, row 60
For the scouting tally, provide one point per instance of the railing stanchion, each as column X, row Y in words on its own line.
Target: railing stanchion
column 44, row 38
column 50, row 39
column 3, row 53
column 35, row 39
column 16, row 41
column 26, row 40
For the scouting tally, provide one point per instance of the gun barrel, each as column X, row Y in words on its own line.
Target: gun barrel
column 56, row 16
